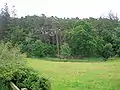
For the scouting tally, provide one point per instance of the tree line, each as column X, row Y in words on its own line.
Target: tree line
column 41, row 36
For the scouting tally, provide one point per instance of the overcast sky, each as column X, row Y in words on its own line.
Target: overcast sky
column 65, row 8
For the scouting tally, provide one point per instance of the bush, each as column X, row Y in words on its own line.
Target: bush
column 28, row 78
column 118, row 52
column 49, row 50
column 13, row 68
column 37, row 48
column 65, row 50
column 4, row 85
column 107, row 51
column 10, row 61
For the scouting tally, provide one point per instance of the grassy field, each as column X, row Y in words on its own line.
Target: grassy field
column 80, row 75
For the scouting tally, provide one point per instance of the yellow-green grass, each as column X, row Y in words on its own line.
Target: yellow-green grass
column 79, row 75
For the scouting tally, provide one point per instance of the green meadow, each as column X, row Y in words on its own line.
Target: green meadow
column 79, row 75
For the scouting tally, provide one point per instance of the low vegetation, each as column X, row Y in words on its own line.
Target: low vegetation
column 10, row 61
column 30, row 79
column 80, row 75
column 13, row 68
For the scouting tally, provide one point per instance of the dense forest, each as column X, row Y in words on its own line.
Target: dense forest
column 42, row 36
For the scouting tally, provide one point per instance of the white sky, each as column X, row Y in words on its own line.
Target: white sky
column 65, row 8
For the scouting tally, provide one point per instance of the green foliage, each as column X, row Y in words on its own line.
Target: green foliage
column 39, row 36
column 4, row 23
column 11, row 61
column 4, row 85
column 18, row 35
column 30, row 79
column 118, row 51
column 107, row 51
column 81, row 41
column 49, row 50
column 99, row 46
column 37, row 48
column 65, row 50
column 13, row 68
column 116, row 46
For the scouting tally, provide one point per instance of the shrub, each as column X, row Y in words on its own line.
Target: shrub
column 10, row 61
column 118, row 52
column 37, row 49
column 28, row 78
column 4, row 85
column 65, row 50
column 13, row 68
column 107, row 51
column 49, row 50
